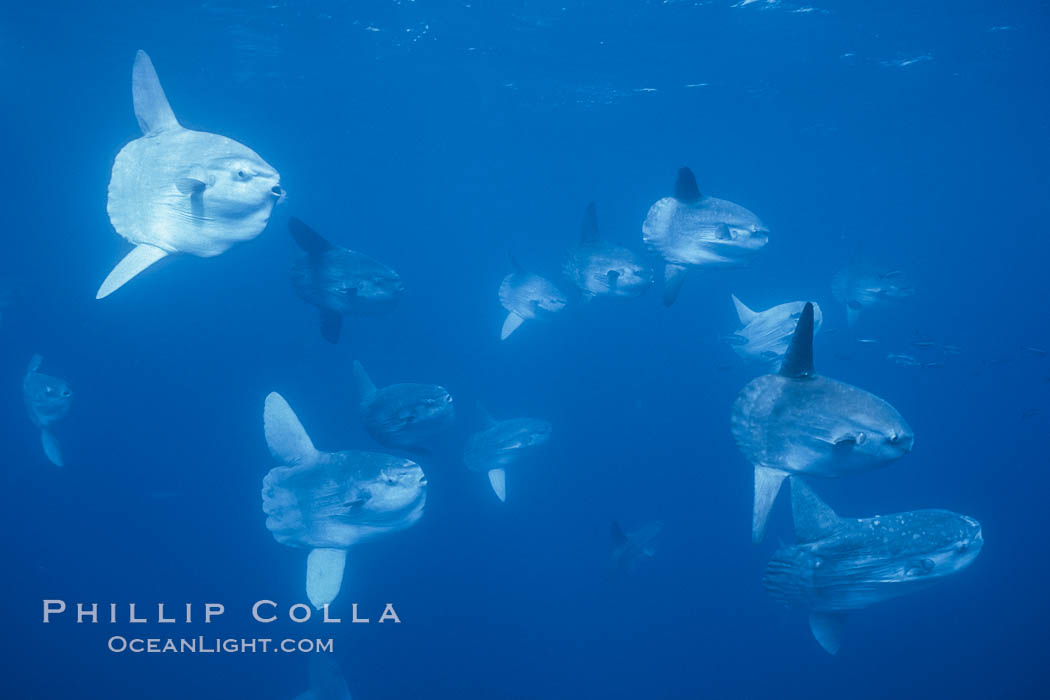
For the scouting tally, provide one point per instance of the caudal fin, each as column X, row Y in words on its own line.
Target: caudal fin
column 140, row 257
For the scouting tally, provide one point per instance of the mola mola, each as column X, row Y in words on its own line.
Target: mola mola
column 527, row 296
column 328, row 501
column 844, row 564
column 766, row 334
column 48, row 400
column 599, row 268
column 340, row 282
column 797, row 422
column 862, row 287
column 326, row 682
column 630, row 548
column 180, row 191
column 502, row 443
column 402, row 415
column 694, row 230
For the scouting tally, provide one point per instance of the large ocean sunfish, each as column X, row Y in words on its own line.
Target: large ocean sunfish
column 845, row 564
column 695, row 230
column 180, row 191
column 797, row 422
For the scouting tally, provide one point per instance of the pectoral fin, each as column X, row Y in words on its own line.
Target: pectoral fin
column 510, row 325
column 674, row 276
column 51, row 448
column 140, row 257
column 827, row 630
column 324, row 575
column 767, row 485
column 498, row 479
column 331, row 325
column 189, row 185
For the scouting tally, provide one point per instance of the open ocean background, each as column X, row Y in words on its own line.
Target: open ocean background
column 438, row 137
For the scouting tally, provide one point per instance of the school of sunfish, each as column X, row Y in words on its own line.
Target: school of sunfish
column 174, row 190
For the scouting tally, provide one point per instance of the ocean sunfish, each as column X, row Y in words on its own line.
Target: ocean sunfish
column 765, row 334
column 797, row 422
column 629, row 549
column 502, row 443
column 48, row 400
column 340, row 282
column 175, row 190
column 862, row 287
column 844, row 564
column 599, row 268
column 329, row 501
column 402, row 415
column 527, row 296
column 694, row 230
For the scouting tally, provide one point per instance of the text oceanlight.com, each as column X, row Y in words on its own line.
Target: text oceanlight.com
column 202, row 645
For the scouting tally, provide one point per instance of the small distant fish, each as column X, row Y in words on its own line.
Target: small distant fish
column 867, row 341
column 1038, row 352
column 402, row 415
column 951, row 349
column 339, row 281
column 1030, row 413
column 903, row 360
column 527, row 296
column 933, row 364
column 599, row 268
column 923, row 344
column 629, row 549
column 862, row 287
column 48, row 400
column 499, row 444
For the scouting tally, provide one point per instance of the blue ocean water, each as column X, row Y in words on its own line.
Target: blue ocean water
column 439, row 137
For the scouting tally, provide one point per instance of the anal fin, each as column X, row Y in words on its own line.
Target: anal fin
column 331, row 325
column 827, row 630
column 510, row 325
column 140, row 257
column 498, row 479
column 674, row 276
column 324, row 575
column 51, row 447
column 767, row 485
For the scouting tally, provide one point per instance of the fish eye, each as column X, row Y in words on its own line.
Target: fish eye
column 962, row 547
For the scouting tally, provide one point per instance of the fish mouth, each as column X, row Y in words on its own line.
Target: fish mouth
column 279, row 192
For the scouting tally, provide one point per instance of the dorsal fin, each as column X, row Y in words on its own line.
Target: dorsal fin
column 366, row 390
column 685, row 189
column 34, row 364
column 306, row 238
column 745, row 314
column 814, row 519
column 151, row 106
column 285, row 435
column 486, row 418
column 798, row 362
column 589, row 227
